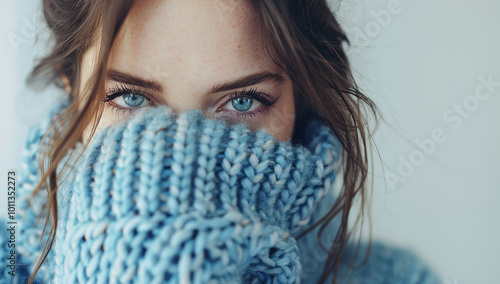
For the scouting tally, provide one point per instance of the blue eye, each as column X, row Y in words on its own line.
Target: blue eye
column 247, row 103
column 128, row 98
column 242, row 103
column 124, row 100
column 133, row 100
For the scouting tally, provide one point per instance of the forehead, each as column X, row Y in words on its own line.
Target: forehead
column 190, row 40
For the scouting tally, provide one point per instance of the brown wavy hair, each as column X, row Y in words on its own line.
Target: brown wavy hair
column 303, row 37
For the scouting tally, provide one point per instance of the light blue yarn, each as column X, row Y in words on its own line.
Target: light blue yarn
column 178, row 198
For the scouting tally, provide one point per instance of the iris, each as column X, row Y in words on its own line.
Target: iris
column 133, row 100
column 242, row 103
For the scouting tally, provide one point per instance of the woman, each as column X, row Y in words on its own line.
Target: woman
column 211, row 134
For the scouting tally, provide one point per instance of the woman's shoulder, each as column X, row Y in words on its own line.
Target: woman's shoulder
column 386, row 264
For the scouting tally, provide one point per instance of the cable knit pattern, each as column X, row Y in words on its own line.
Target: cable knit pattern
column 184, row 198
column 179, row 198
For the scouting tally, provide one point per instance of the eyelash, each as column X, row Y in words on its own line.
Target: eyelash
column 120, row 90
column 261, row 96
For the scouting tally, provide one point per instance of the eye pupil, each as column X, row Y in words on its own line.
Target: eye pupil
column 242, row 104
column 133, row 100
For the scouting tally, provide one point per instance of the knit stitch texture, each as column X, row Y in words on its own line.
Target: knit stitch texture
column 179, row 198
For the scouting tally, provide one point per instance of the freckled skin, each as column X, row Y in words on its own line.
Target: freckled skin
column 191, row 45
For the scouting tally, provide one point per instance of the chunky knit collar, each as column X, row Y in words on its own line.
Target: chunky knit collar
column 179, row 198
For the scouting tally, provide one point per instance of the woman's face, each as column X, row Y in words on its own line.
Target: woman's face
column 196, row 54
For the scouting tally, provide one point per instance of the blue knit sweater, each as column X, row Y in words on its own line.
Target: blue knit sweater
column 178, row 198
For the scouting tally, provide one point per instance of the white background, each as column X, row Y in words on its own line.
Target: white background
column 418, row 60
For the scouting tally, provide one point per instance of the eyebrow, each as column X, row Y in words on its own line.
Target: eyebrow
column 133, row 80
column 241, row 82
column 248, row 80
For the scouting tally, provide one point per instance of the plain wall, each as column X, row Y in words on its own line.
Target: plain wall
column 424, row 64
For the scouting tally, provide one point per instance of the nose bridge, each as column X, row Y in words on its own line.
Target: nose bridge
column 183, row 95
column 180, row 103
column 186, row 78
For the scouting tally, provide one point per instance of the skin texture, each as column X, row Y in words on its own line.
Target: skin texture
column 188, row 47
